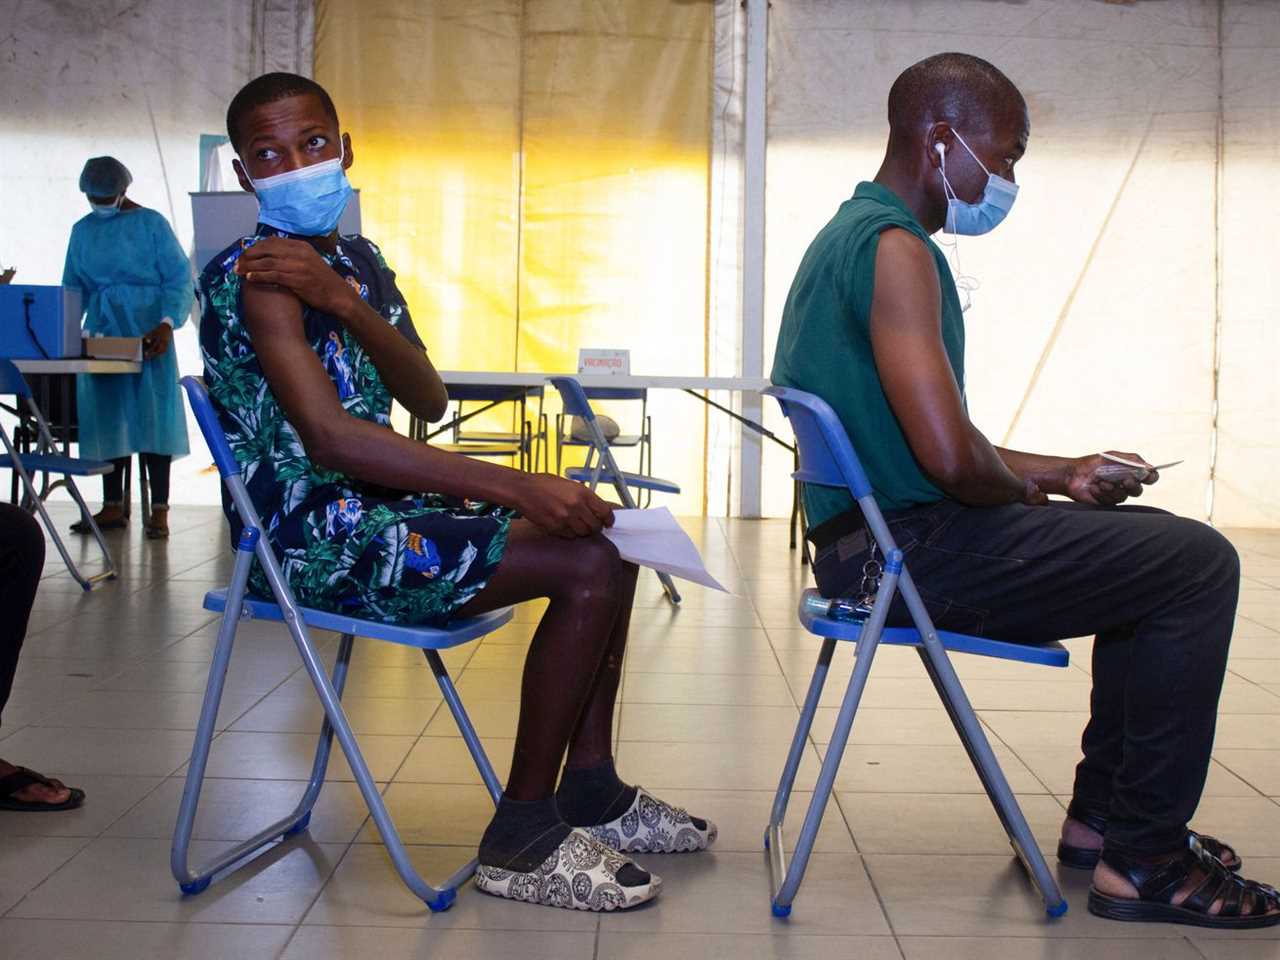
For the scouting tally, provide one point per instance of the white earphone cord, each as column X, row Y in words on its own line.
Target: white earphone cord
column 964, row 282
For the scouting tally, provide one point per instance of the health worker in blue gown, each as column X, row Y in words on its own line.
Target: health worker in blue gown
column 135, row 281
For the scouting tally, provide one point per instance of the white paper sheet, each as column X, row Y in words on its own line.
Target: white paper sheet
column 652, row 538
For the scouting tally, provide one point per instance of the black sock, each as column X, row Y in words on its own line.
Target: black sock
column 592, row 795
column 522, row 834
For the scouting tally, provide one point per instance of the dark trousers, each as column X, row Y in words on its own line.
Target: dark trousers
column 21, row 563
column 1157, row 591
column 158, row 465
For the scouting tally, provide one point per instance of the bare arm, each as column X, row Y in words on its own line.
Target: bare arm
column 906, row 338
column 1078, row 477
column 338, row 441
column 406, row 370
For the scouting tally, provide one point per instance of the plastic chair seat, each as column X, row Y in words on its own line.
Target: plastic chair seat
column 639, row 480
column 480, row 449
column 56, row 463
column 1047, row 653
column 424, row 638
column 489, row 436
column 622, row 440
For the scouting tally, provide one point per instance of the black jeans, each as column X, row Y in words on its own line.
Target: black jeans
column 158, row 465
column 21, row 563
column 1157, row 591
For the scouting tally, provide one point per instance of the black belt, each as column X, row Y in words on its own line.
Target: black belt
column 841, row 525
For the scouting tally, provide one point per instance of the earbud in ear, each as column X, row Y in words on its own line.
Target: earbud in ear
column 942, row 151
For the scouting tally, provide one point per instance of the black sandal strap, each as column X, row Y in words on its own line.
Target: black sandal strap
column 1215, row 847
column 1233, row 901
column 20, row 779
column 1161, row 882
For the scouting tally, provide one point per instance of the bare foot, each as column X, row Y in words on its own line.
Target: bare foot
column 38, row 792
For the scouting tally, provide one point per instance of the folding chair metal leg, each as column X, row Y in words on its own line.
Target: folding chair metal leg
column 32, row 497
column 467, row 729
column 324, row 746
column 436, row 898
column 786, row 877
column 980, row 753
column 191, row 881
column 336, row 724
column 86, row 583
column 796, row 752
column 624, row 493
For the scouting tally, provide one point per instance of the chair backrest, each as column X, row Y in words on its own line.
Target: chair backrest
column 574, row 398
column 12, row 381
column 207, row 418
column 826, row 455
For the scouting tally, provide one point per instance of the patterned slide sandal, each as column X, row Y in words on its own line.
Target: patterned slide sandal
column 654, row 826
column 581, row 874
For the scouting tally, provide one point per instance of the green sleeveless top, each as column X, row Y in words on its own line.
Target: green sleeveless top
column 824, row 347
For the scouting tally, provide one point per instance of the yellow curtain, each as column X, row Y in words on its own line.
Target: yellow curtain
column 537, row 173
column 430, row 95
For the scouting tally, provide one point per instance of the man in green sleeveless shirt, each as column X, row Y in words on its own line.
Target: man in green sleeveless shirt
column 874, row 325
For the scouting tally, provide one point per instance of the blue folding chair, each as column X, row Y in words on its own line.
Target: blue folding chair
column 600, row 464
column 642, row 441
column 235, row 607
column 46, row 459
column 827, row 459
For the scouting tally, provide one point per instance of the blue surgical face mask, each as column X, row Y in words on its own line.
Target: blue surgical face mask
column 106, row 210
column 308, row 201
column 974, row 219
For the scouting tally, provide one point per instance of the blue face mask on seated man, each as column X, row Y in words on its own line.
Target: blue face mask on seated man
column 974, row 219
column 308, row 201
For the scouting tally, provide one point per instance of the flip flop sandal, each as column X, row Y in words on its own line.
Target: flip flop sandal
column 1086, row 858
column 1246, row 904
column 653, row 826
column 581, row 874
column 21, row 779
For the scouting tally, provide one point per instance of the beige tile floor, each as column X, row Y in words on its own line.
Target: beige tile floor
column 911, row 863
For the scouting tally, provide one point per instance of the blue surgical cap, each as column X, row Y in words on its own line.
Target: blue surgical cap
column 104, row 177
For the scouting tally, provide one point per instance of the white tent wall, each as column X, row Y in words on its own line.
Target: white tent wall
column 1245, row 489
column 140, row 80
column 1095, row 323
column 1141, row 230
column 724, row 330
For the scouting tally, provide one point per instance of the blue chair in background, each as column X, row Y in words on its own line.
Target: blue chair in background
column 236, row 607
column 46, row 459
column 642, row 441
column 600, row 464
column 827, row 459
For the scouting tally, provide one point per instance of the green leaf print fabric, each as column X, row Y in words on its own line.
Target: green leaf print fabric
column 344, row 545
